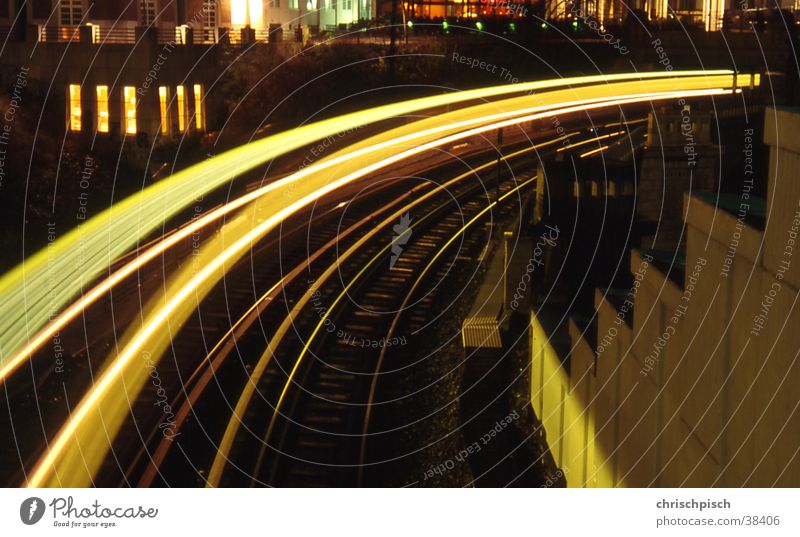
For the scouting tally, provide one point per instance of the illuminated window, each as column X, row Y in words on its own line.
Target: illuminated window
column 180, row 94
column 247, row 12
column 238, row 12
column 102, row 108
column 209, row 20
column 147, row 12
column 74, row 107
column 293, row 4
column 199, row 113
column 71, row 12
column 129, row 108
column 256, row 13
column 163, row 102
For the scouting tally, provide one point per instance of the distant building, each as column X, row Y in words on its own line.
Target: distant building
column 688, row 377
column 144, row 68
column 208, row 18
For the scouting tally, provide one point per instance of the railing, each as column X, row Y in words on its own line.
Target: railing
column 114, row 35
column 170, row 35
column 59, row 34
column 179, row 35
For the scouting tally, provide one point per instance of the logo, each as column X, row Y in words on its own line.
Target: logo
column 402, row 233
column 31, row 511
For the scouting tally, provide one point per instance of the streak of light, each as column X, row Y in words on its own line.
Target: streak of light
column 228, row 437
column 595, row 139
column 625, row 123
column 60, row 321
column 593, row 151
column 66, row 460
column 40, row 286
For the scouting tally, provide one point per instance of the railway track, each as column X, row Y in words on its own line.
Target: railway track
column 259, row 295
column 319, row 401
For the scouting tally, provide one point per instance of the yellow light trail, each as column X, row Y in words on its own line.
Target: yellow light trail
column 39, row 287
column 355, row 151
column 221, row 458
column 64, row 454
column 590, row 140
column 593, row 151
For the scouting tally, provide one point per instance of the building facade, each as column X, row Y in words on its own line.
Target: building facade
column 689, row 377
column 210, row 19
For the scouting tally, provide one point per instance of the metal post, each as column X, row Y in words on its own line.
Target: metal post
column 499, row 161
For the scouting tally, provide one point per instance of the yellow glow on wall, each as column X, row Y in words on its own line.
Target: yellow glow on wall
column 566, row 414
column 199, row 113
column 163, row 102
column 180, row 95
column 102, row 108
column 74, row 107
column 129, row 107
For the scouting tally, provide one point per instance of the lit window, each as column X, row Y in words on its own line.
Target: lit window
column 102, row 108
column 256, row 13
column 163, row 101
column 147, row 12
column 247, row 12
column 293, row 4
column 71, row 12
column 74, row 107
column 238, row 12
column 129, row 106
column 199, row 113
column 180, row 94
